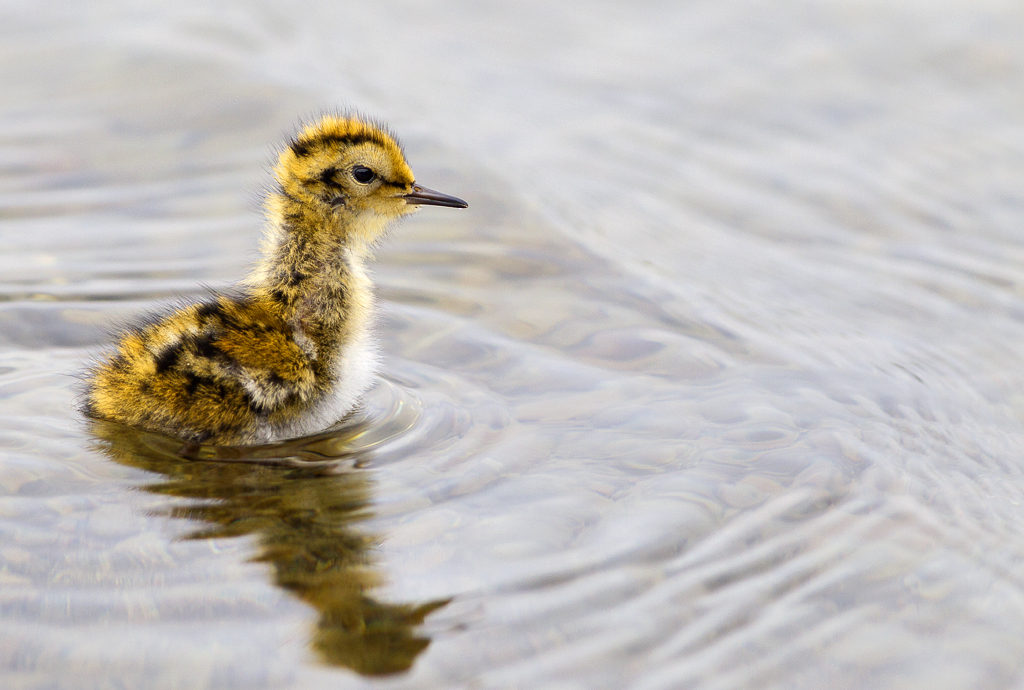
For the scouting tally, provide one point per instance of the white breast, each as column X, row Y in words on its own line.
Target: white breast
column 355, row 365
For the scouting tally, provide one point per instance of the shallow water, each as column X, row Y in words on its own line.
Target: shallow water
column 716, row 383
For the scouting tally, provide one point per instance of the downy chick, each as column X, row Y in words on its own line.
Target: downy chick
column 290, row 351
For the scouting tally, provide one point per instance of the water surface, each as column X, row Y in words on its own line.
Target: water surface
column 716, row 383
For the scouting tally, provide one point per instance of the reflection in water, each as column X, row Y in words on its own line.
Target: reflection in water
column 303, row 508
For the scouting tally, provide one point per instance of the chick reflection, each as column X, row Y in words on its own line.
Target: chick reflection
column 303, row 514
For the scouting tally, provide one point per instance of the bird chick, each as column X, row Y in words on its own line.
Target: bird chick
column 289, row 352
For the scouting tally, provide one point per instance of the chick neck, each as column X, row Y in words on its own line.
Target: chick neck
column 312, row 269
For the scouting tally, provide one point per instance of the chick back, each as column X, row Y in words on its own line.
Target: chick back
column 219, row 371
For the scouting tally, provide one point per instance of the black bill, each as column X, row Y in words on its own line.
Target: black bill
column 428, row 197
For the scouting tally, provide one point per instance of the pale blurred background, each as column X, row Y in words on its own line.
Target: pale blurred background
column 716, row 384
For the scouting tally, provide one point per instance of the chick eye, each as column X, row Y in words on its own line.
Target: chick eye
column 363, row 175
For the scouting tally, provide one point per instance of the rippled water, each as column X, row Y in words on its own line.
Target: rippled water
column 716, row 383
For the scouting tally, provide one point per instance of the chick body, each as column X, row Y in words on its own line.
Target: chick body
column 291, row 351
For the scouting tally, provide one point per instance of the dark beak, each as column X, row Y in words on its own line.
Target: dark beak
column 428, row 197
